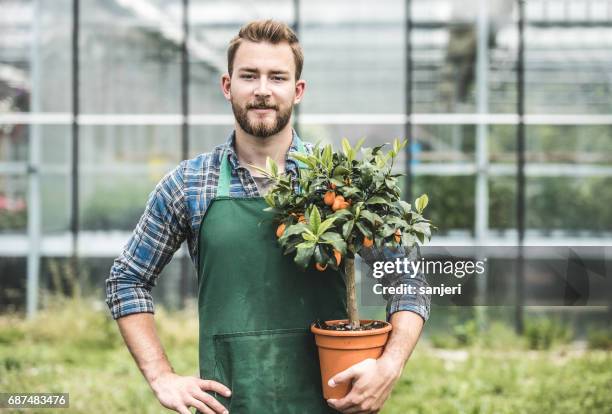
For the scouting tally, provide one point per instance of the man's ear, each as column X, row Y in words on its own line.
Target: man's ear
column 225, row 86
column 300, row 87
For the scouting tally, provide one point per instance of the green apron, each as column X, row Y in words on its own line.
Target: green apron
column 255, row 308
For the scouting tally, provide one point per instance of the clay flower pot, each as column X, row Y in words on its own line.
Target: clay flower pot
column 338, row 350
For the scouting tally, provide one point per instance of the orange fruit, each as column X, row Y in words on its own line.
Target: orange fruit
column 320, row 267
column 301, row 218
column 339, row 203
column 367, row 242
column 338, row 257
column 332, row 186
column 398, row 236
column 329, row 198
column 280, row 229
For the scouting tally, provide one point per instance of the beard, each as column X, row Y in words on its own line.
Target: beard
column 261, row 128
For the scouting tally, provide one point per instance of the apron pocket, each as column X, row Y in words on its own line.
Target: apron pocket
column 273, row 371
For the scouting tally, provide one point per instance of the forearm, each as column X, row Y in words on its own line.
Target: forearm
column 407, row 328
column 139, row 333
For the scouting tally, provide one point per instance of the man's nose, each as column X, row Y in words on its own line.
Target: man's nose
column 262, row 87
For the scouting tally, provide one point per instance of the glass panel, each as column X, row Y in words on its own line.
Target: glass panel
column 451, row 203
column 13, row 204
column 374, row 134
column 56, row 145
column 212, row 25
column 204, row 138
column 573, row 206
column 502, row 144
column 568, row 58
column 444, row 53
column 56, row 200
column 570, row 144
column 56, row 276
column 133, row 47
column 502, row 56
column 35, row 56
column 14, row 142
column 354, row 57
column 120, row 167
column 502, row 205
column 569, row 179
column 444, row 144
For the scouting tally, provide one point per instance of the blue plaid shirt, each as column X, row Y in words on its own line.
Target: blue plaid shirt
column 174, row 213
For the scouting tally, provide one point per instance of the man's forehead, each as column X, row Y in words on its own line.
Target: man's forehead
column 264, row 56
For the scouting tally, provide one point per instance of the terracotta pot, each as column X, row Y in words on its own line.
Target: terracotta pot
column 338, row 350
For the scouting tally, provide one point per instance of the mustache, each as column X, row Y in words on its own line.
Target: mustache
column 261, row 105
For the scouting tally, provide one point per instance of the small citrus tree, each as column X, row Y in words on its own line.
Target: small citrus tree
column 341, row 204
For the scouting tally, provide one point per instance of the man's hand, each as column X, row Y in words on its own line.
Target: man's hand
column 372, row 381
column 179, row 393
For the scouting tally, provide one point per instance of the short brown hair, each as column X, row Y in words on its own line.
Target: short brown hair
column 267, row 31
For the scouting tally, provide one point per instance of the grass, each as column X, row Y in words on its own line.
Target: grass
column 74, row 346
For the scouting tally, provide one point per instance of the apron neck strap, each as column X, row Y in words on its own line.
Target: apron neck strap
column 225, row 176
column 225, row 171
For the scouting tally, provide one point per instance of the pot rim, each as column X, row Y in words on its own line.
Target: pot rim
column 326, row 332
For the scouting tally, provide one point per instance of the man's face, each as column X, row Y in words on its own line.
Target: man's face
column 262, row 88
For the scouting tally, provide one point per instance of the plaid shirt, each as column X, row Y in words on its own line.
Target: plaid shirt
column 174, row 213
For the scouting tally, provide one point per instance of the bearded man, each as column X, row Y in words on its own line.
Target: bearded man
column 255, row 306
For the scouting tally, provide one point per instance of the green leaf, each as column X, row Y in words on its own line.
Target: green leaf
column 339, row 183
column 377, row 200
column 315, row 219
column 347, row 228
column 364, row 230
column 293, row 230
column 328, row 157
column 359, row 144
column 341, row 215
column 304, row 254
column 373, row 218
column 405, row 207
column 390, row 182
column 346, row 147
column 421, row 202
column 341, row 171
column 308, row 236
column 335, row 240
column 271, row 166
column 265, row 171
column 350, row 191
column 396, row 222
column 386, row 231
column 309, row 160
column 422, row 227
column 320, row 256
column 325, row 225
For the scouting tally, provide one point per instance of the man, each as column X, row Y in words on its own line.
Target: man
column 256, row 354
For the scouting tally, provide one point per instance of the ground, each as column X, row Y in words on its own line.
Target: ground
column 74, row 347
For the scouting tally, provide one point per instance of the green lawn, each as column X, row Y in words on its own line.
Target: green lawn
column 76, row 348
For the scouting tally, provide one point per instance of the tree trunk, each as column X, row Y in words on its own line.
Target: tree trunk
column 351, row 296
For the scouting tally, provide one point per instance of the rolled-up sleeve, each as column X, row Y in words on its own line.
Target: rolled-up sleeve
column 418, row 303
column 158, row 234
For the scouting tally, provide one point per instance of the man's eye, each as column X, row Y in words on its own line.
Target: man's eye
column 278, row 78
column 245, row 76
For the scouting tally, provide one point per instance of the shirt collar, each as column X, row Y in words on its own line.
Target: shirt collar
column 290, row 164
